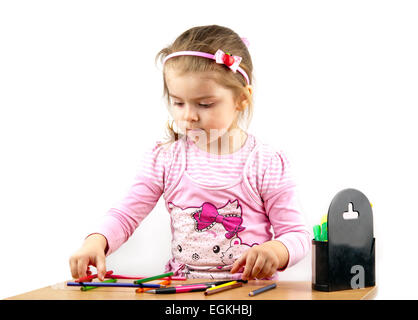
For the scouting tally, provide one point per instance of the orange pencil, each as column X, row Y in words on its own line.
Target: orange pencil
column 140, row 290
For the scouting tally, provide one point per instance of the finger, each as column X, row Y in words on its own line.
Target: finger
column 272, row 271
column 258, row 267
column 240, row 262
column 82, row 267
column 274, row 266
column 266, row 271
column 251, row 258
column 73, row 268
column 101, row 267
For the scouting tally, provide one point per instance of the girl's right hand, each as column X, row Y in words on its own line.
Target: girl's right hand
column 91, row 253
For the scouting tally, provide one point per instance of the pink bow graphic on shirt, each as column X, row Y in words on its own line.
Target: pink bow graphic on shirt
column 209, row 215
column 229, row 60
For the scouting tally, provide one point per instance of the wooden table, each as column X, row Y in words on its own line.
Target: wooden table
column 284, row 291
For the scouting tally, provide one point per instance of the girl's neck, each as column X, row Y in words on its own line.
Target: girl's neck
column 229, row 143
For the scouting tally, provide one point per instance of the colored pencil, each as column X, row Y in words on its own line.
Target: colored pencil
column 93, row 276
column 86, row 288
column 158, row 277
column 112, row 284
column 119, row 276
column 140, row 290
column 213, row 283
column 223, row 285
column 189, row 288
column 224, row 288
column 269, row 287
column 167, row 282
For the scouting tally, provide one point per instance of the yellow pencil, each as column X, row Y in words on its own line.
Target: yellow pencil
column 224, row 288
column 222, row 285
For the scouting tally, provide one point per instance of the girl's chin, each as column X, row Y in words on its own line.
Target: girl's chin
column 201, row 136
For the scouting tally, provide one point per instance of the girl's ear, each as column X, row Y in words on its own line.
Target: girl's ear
column 245, row 98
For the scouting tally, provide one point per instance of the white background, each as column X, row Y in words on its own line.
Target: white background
column 80, row 98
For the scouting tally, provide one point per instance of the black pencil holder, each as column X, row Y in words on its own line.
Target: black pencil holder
column 347, row 259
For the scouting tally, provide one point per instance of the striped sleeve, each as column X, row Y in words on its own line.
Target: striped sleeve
column 123, row 218
column 279, row 193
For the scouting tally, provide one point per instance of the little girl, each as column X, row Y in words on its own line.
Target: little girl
column 227, row 192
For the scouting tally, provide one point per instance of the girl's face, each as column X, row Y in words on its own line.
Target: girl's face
column 197, row 101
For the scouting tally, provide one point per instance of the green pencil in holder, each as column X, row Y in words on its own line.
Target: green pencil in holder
column 324, row 233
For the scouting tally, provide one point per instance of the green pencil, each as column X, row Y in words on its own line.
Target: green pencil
column 154, row 277
column 324, row 235
column 85, row 288
column 317, row 232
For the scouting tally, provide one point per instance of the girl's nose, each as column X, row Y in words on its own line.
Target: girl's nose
column 190, row 113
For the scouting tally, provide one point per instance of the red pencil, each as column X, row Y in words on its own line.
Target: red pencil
column 93, row 276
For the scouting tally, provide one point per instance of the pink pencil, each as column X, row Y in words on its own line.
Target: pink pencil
column 118, row 276
column 187, row 288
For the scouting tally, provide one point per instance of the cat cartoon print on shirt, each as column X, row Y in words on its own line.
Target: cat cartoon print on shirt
column 206, row 238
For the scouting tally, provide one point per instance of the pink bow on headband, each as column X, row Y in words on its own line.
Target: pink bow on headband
column 225, row 58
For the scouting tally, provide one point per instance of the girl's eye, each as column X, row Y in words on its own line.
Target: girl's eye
column 204, row 105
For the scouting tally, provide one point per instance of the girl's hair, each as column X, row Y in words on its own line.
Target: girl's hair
column 209, row 39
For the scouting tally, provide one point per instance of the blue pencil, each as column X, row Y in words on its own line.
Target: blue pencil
column 269, row 287
column 102, row 284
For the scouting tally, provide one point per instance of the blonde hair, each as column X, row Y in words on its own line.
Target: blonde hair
column 209, row 39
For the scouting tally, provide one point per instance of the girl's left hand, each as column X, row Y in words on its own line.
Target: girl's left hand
column 262, row 261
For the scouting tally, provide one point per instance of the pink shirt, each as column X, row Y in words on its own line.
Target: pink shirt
column 220, row 205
